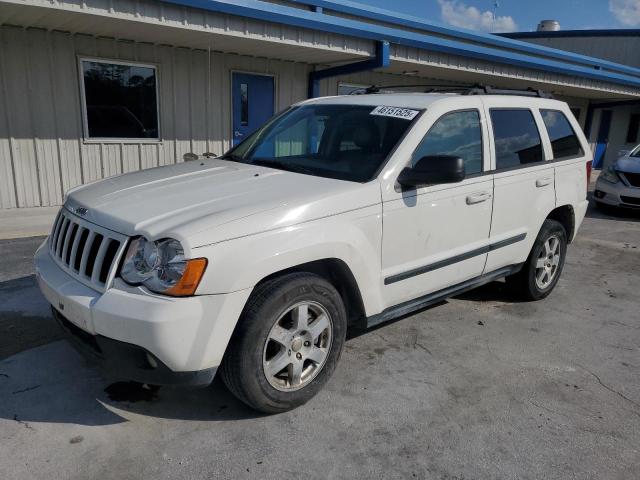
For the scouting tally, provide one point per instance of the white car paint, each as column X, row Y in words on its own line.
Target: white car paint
column 252, row 221
column 613, row 184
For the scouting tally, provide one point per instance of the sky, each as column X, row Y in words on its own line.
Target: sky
column 520, row 15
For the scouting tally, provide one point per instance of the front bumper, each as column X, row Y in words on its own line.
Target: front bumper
column 186, row 337
column 123, row 360
column 616, row 194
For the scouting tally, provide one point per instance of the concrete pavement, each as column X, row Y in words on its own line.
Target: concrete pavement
column 478, row 387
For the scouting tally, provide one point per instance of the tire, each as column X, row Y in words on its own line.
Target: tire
column 531, row 283
column 270, row 334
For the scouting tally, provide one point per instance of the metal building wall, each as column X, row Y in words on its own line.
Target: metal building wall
column 42, row 152
column 623, row 49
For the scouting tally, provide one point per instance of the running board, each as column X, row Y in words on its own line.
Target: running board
column 435, row 297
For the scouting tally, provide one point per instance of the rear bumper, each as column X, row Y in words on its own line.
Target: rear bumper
column 617, row 194
column 125, row 361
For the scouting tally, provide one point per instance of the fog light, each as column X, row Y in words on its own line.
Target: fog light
column 152, row 361
column 599, row 194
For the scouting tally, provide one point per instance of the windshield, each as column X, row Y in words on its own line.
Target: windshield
column 635, row 152
column 347, row 142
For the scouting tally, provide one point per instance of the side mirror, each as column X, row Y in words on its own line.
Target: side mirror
column 623, row 153
column 433, row 169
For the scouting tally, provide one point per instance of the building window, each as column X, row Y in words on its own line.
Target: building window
column 634, row 126
column 564, row 142
column 120, row 100
column 516, row 136
column 244, row 104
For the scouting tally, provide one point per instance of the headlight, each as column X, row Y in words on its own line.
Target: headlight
column 610, row 175
column 161, row 267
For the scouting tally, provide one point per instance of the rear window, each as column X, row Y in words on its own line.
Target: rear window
column 564, row 142
column 516, row 136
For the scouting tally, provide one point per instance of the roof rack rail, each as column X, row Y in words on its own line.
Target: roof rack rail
column 489, row 90
column 474, row 89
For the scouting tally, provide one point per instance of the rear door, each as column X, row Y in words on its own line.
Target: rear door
column 524, row 191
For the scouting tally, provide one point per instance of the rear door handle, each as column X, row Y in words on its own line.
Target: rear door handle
column 543, row 182
column 478, row 198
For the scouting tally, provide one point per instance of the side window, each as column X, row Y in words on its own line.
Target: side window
column 456, row 133
column 516, row 136
column 564, row 141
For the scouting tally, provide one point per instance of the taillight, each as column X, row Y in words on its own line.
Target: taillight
column 588, row 173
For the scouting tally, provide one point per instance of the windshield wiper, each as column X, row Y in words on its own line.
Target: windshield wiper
column 233, row 157
column 282, row 165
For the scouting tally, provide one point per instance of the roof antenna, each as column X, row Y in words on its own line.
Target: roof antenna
column 496, row 5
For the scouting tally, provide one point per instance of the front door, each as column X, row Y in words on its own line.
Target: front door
column 603, row 139
column 253, row 99
column 436, row 236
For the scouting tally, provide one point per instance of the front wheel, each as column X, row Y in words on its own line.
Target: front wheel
column 287, row 343
column 542, row 269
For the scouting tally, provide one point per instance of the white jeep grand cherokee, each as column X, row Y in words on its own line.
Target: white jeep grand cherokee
column 339, row 211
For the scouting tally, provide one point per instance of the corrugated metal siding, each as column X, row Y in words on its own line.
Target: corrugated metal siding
column 622, row 50
column 42, row 150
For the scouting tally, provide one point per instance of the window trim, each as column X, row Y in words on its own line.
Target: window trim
column 572, row 157
column 83, row 103
column 461, row 110
column 493, row 138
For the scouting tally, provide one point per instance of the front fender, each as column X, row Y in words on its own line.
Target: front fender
column 353, row 237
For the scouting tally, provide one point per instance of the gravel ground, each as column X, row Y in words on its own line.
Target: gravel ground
column 478, row 387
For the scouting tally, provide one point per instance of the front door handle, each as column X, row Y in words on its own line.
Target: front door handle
column 543, row 182
column 478, row 198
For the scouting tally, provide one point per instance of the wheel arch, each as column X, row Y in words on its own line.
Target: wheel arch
column 565, row 215
column 336, row 272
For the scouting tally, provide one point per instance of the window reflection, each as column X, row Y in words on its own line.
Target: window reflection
column 121, row 100
column 244, row 104
column 517, row 140
column 456, row 134
column 564, row 142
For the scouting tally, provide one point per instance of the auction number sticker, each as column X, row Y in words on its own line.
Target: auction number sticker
column 396, row 112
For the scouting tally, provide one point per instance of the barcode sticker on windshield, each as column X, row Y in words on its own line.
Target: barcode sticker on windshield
column 397, row 112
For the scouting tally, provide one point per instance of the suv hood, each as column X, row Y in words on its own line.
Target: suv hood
column 192, row 201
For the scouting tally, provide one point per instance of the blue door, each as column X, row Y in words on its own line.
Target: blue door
column 603, row 139
column 252, row 97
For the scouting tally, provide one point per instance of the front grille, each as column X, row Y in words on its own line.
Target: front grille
column 86, row 251
column 630, row 200
column 633, row 179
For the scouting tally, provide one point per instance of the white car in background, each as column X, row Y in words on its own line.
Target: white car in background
column 619, row 184
column 340, row 211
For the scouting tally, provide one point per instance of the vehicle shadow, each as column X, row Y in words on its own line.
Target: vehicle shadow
column 53, row 384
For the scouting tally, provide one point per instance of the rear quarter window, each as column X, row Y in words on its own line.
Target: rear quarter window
column 564, row 141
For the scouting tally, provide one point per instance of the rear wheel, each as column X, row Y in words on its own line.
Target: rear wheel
column 287, row 343
column 542, row 269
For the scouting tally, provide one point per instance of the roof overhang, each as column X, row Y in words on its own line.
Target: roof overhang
column 324, row 32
